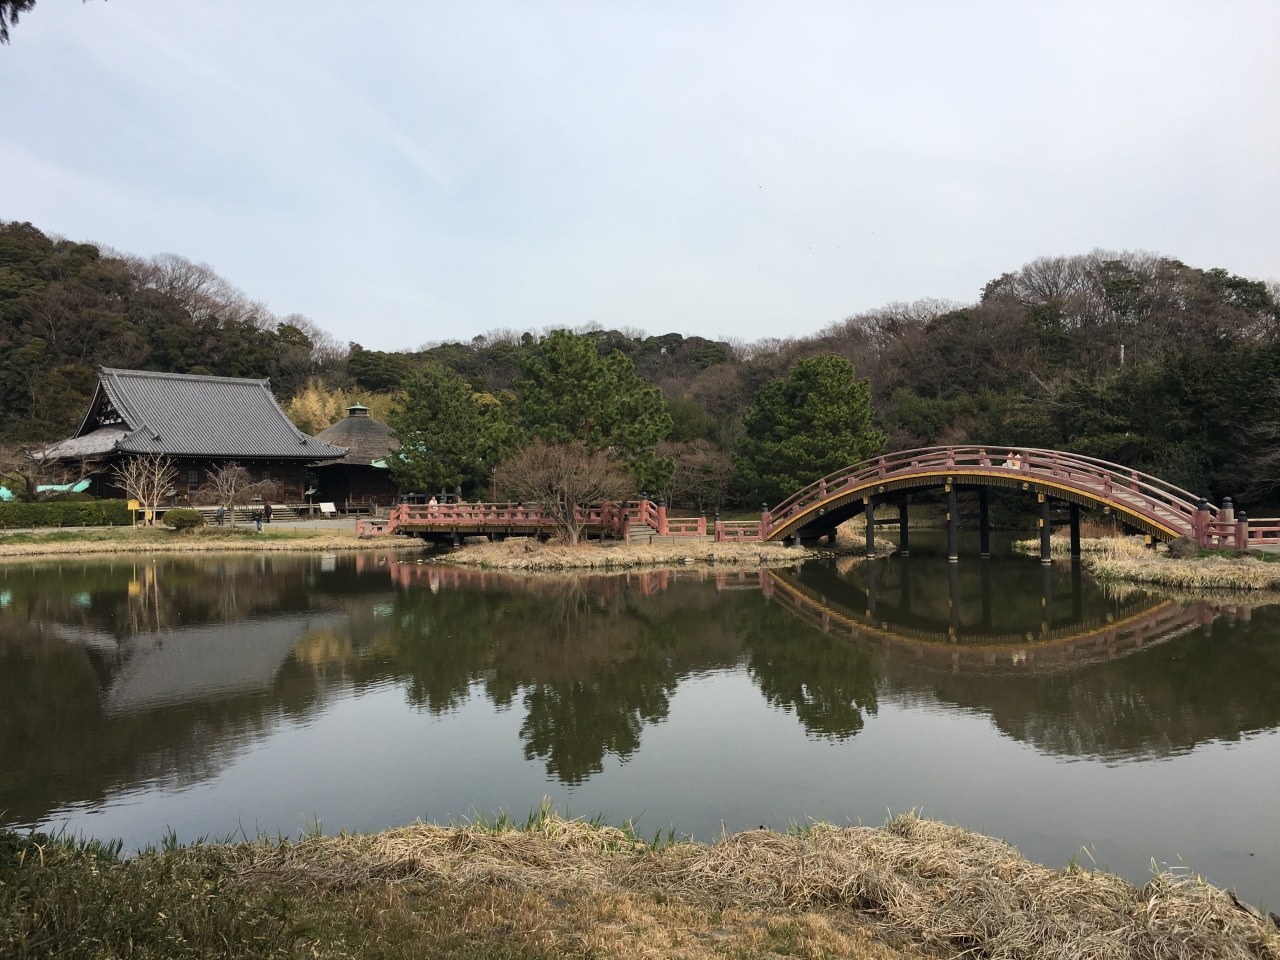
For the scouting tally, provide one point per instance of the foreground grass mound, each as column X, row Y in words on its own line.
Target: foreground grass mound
column 561, row 888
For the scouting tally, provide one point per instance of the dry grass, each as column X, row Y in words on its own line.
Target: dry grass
column 116, row 540
column 529, row 554
column 1127, row 559
column 913, row 887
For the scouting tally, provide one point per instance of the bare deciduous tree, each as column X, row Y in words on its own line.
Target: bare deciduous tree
column 147, row 479
column 232, row 487
column 561, row 478
column 702, row 476
column 27, row 470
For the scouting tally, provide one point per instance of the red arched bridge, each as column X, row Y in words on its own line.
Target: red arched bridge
column 1057, row 480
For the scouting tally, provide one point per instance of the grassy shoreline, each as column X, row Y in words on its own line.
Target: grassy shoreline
column 1127, row 560
column 527, row 554
column 127, row 540
column 553, row 888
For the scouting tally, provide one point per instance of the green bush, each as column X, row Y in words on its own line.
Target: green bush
column 96, row 513
column 183, row 518
column 61, row 898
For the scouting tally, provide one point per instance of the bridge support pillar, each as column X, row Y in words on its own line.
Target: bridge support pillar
column 984, row 523
column 904, row 541
column 456, row 541
column 869, row 506
column 1046, row 547
column 1075, row 533
column 953, row 525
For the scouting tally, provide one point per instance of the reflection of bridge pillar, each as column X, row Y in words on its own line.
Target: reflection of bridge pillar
column 904, row 543
column 1077, row 594
column 986, row 597
column 953, row 600
column 1046, row 597
column 1046, row 548
column 1075, row 533
column 984, row 522
column 953, row 525
column 904, row 589
column 871, row 587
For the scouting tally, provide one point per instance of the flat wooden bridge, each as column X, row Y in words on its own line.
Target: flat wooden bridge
column 1058, row 480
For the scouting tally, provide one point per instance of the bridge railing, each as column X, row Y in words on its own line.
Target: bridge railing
column 1136, row 491
column 737, row 531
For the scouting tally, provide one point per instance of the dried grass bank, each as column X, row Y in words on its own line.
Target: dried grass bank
column 1127, row 559
column 119, row 540
column 556, row 888
column 528, row 554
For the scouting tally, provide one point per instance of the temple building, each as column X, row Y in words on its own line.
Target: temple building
column 359, row 480
column 200, row 423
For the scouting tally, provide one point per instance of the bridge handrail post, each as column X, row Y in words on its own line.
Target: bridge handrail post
column 1242, row 531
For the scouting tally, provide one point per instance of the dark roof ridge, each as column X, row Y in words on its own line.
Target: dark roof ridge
column 159, row 374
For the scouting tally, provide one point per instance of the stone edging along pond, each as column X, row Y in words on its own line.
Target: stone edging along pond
column 555, row 888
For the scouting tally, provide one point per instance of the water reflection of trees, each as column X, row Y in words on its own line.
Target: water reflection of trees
column 591, row 661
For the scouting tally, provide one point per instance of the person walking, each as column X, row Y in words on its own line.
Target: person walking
column 266, row 511
column 220, row 513
column 257, row 519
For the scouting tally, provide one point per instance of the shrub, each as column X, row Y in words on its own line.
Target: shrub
column 183, row 518
column 96, row 513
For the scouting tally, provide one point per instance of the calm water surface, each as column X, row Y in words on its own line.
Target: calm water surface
column 219, row 694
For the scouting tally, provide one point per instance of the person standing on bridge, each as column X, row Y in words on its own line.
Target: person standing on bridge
column 433, row 505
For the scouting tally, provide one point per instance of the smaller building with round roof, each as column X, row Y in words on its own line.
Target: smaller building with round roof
column 360, row 480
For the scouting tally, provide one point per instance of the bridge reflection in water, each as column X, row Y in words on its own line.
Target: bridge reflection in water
column 881, row 605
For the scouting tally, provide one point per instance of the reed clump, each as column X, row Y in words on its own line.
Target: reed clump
column 1129, row 559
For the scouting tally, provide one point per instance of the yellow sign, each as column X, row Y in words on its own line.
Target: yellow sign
column 135, row 505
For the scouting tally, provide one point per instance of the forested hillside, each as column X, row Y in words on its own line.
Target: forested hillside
column 1129, row 357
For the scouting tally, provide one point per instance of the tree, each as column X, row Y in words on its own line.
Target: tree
column 231, row 487
column 147, row 479
column 448, row 435
column 563, row 477
column 9, row 10
column 25, row 470
column 807, row 426
column 569, row 393
column 702, row 476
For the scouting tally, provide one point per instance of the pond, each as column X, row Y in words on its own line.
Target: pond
column 245, row 694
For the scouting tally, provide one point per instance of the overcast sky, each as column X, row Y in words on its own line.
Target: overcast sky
column 403, row 172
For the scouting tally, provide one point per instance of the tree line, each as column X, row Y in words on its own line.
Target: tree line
column 1129, row 357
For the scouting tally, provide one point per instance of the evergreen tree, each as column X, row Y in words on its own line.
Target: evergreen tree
column 448, row 435
column 570, row 393
column 800, row 429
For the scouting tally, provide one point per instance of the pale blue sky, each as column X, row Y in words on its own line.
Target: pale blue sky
column 411, row 171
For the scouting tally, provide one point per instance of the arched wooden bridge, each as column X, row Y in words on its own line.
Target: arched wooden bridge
column 1145, row 503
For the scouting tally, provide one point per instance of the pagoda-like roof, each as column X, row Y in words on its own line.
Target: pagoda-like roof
column 368, row 441
column 140, row 411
